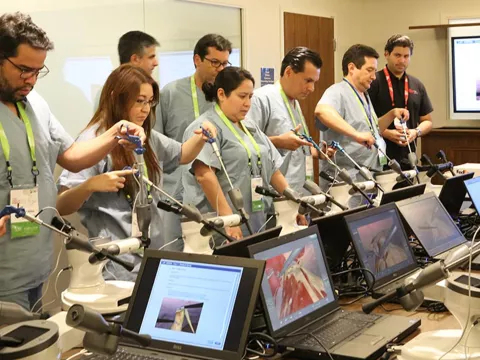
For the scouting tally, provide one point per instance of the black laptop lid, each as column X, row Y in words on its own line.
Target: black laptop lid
column 453, row 193
column 334, row 234
column 431, row 224
column 381, row 243
column 240, row 248
column 401, row 194
column 195, row 305
column 473, row 188
column 296, row 287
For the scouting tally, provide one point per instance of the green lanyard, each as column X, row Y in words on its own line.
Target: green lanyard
column 367, row 119
column 228, row 123
column 289, row 108
column 31, row 145
column 193, row 86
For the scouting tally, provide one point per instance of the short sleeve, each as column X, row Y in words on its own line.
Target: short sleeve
column 168, row 151
column 331, row 97
column 259, row 112
column 59, row 134
column 426, row 105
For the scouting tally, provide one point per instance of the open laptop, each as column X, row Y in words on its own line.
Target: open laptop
column 473, row 189
column 193, row 306
column 240, row 247
column 431, row 224
column 382, row 247
column 453, row 193
column 335, row 236
column 299, row 300
column 403, row 193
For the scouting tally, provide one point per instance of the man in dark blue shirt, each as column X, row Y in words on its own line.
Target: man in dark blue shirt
column 393, row 88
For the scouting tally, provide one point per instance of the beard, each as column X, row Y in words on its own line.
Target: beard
column 8, row 92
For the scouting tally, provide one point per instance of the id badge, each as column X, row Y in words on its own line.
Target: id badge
column 382, row 145
column 28, row 199
column 309, row 167
column 257, row 199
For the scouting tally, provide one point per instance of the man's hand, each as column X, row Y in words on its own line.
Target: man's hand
column 108, row 182
column 396, row 136
column 401, row 114
column 125, row 127
column 364, row 138
column 234, row 232
column 290, row 141
column 208, row 126
column 3, row 224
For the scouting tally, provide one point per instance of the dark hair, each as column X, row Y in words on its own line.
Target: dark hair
column 297, row 57
column 134, row 42
column 356, row 54
column 228, row 79
column 16, row 29
column 399, row 40
column 211, row 40
column 118, row 96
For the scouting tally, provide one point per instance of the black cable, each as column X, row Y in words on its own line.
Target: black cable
column 264, row 340
column 364, row 291
column 316, row 339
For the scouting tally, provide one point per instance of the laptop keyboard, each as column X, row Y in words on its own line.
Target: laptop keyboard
column 122, row 354
column 339, row 327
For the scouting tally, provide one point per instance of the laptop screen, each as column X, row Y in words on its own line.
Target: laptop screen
column 381, row 243
column 473, row 188
column 403, row 193
column 296, row 281
column 453, row 193
column 194, row 302
column 431, row 224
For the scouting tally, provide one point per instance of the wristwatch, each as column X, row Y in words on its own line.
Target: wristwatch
column 419, row 132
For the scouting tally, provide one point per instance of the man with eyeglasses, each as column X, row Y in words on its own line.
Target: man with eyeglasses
column 181, row 102
column 394, row 88
column 32, row 143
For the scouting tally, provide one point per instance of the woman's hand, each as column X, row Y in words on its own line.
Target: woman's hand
column 108, row 182
column 209, row 127
column 3, row 224
column 125, row 127
column 302, row 220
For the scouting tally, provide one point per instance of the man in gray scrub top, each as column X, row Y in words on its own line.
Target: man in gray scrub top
column 32, row 143
column 345, row 114
column 276, row 111
column 181, row 102
column 137, row 48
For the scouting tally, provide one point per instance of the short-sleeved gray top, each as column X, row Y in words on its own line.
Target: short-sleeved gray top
column 235, row 159
column 109, row 214
column 271, row 115
column 25, row 263
column 344, row 100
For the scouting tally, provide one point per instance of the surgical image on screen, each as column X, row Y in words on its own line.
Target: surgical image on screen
column 295, row 280
column 382, row 243
column 179, row 315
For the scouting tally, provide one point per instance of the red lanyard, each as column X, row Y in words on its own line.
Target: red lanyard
column 390, row 87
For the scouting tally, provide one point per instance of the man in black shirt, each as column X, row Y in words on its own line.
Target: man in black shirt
column 393, row 88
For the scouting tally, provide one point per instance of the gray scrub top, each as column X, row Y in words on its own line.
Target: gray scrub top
column 270, row 113
column 173, row 115
column 342, row 98
column 235, row 159
column 109, row 214
column 25, row 263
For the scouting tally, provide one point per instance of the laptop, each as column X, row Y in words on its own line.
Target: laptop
column 453, row 193
column 239, row 248
column 299, row 300
column 473, row 189
column 193, row 306
column 335, row 236
column 382, row 247
column 403, row 193
column 431, row 224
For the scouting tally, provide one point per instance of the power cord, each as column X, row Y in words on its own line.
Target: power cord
column 258, row 345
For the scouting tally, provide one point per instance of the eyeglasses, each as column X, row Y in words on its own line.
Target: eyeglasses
column 27, row 73
column 217, row 63
column 143, row 103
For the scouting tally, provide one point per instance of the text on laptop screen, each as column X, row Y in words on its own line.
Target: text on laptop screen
column 295, row 281
column 191, row 303
column 381, row 243
column 431, row 224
